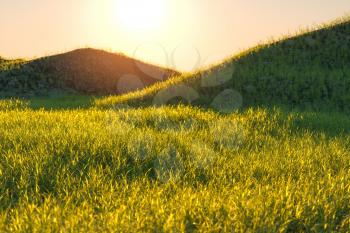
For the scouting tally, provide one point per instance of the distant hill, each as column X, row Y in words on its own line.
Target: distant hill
column 85, row 71
column 311, row 69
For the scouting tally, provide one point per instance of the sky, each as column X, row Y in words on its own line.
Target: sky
column 183, row 34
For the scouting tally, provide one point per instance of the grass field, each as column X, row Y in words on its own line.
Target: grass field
column 262, row 145
column 173, row 169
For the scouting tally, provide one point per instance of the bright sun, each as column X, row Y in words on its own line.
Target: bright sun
column 140, row 14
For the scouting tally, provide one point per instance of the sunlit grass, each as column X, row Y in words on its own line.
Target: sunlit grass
column 84, row 164
column 173, row 169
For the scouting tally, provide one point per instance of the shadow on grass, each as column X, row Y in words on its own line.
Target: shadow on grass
column 57, row 102
column 328, row 122
column 64, row 102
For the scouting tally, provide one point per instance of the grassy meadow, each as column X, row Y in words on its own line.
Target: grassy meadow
column 173, row 169
column 259, row 143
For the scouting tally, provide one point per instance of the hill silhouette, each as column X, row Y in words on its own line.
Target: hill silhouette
column 311, row 69
column 85, row 71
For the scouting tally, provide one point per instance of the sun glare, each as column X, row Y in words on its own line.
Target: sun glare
column 140, row 14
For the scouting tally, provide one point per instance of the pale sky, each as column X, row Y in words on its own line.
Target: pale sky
column 185, row 34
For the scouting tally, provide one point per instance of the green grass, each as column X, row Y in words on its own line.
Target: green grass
column 58, row 102
column 62, row 102
column 173, row 169
column 119, row 164
column 10, row 64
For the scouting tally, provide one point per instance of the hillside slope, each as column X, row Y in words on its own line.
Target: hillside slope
column 87, row 71
column 311, row 69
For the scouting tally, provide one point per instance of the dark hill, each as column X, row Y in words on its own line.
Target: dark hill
column 86, row 71
column 311, row 69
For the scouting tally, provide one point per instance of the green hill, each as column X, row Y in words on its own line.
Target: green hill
column 83, row 71
column 311, row 69
column 6, row 64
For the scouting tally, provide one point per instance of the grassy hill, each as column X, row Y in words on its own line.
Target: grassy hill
column 6, row 64
column 83, row 71
column 311, row 69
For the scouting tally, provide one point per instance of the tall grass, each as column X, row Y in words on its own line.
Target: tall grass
column 173, row 169
column 13, row 104
column 186, row 169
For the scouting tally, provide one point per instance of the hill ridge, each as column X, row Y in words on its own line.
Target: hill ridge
column 310, row 69
column 86, row 71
